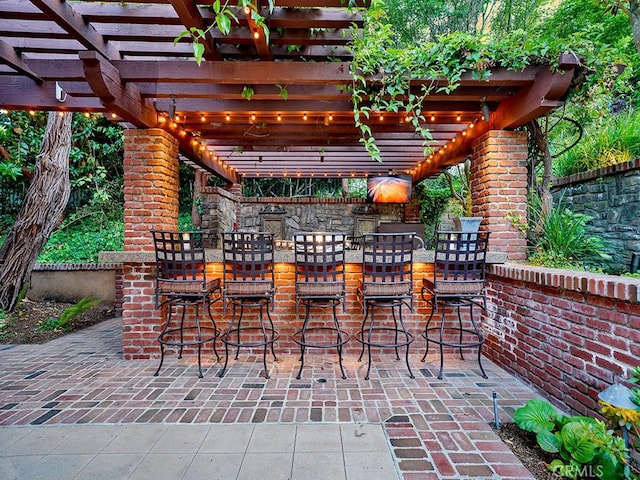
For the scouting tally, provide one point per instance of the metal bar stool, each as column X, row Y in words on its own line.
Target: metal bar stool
column 320, row 282
column 181, row 282
column 387, row 281
column 458, row 281
column 248, row 283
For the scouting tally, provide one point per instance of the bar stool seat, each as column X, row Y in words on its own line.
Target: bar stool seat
column 320, row 283
column 387, row 282
column 181, row 282
column 458, row 281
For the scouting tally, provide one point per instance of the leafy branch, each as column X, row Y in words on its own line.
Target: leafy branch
column 224, row 16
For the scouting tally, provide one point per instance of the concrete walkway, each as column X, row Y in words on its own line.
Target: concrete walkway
column 73, row 409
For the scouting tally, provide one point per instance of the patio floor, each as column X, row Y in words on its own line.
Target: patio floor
column 72, row 408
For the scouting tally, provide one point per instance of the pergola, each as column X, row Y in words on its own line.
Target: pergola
column 119, row 58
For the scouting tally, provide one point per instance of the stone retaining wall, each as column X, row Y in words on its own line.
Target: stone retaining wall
column 611, row 196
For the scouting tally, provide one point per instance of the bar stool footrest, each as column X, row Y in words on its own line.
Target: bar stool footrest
column 296, row 337
column 408, row 337
column 178, row 343
column 271, row 333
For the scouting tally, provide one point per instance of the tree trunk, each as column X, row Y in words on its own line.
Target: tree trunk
column 41, row 209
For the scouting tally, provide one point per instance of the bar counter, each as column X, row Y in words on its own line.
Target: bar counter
column 280, row 256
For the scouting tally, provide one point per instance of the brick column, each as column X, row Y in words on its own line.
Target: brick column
column 150, row 201
column 150, row 186
column 499, row 189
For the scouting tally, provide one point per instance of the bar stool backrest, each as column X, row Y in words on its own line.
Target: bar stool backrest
column 460, row 262
column 248, row 260
column 180, row 265
column 387, row 267
column 319, row 266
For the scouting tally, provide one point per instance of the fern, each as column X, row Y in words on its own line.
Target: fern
column 68, row 314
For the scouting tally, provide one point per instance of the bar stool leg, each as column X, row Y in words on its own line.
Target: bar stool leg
column 266, row 342
column 441, row 342
column 339, row 340
column 480, row 339
column 216, row 332
column 303, row 340
column 426, row 332
column 460, row 324
column 406, row 336
column 272, row 341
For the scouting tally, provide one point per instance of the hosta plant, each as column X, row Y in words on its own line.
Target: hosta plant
column 583, row 446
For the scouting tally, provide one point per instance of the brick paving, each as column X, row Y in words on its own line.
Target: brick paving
column 437, row 429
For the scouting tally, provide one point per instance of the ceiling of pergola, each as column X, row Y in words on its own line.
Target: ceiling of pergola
column 119, row 58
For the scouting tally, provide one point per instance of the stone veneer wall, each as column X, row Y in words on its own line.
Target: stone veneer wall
column 611, row 196
column 223, row 211
column 567, row 334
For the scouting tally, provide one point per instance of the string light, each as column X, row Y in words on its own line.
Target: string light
column 87, row 114
column 458, row 118
column 433, row 118
column 304, row 117
column 381, row 118
column 228, row 117
column 32, row 112
column 247, row 10
column 279, row 117
column 256, row 35
column 253, row 117
column 331, row 117
column 60, row 114
column 113, row 115
column 203, row 118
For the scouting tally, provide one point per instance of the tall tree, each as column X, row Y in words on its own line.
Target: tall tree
column 41, row 210
column 631, row 8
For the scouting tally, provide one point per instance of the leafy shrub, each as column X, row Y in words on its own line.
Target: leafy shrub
column 564, row 243
column 81, row 243
column 580, row 443
column 606, row 143
column 68, row 314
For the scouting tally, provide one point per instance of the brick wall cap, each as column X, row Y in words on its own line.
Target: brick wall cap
column 613, row 287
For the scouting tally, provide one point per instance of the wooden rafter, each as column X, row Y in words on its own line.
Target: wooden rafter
column 120, row 58
column 64, row 15
column 190, row 17
column 10, row 57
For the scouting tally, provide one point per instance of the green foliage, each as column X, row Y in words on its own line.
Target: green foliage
column 293, row 187
column 68, row 314
column 576, row 441
column 605, row 143
column 247, row 93
column 433, row 195
column 564, row 243
column 378, row 56
column 223, row 19
column 81, row 242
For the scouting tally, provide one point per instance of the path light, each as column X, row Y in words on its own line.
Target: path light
column 619, row 396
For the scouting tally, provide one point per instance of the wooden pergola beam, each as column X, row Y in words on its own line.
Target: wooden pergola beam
column 10, row 57
column 190, row 16
column 74, row 24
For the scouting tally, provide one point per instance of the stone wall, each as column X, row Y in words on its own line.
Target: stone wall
column 611, row 196
column 223, row 211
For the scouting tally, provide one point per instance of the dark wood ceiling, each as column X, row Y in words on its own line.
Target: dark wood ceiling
column 119, row 58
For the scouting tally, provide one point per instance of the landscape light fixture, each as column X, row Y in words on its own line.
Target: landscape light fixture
column 619, row 396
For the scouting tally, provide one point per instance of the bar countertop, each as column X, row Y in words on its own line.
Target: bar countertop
column 281, row 256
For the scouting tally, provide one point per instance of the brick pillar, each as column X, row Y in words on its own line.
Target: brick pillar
column 150, row 201
column 150, row 186
column 499, row 189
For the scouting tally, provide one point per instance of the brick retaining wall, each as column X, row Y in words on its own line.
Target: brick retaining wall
column 568, row 334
